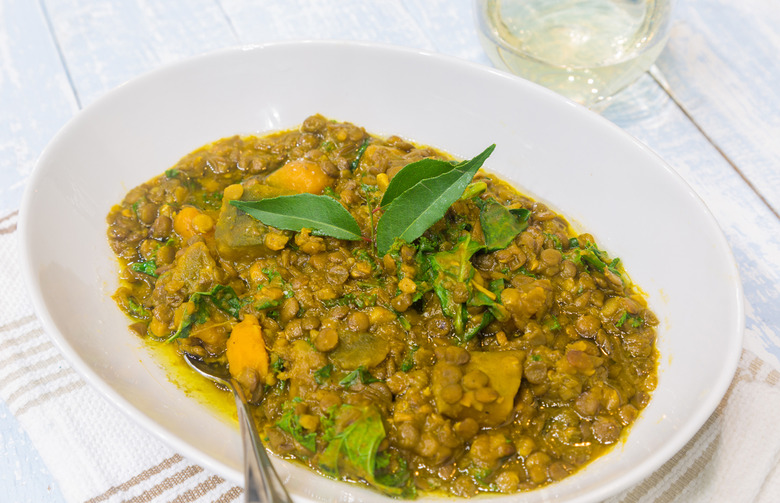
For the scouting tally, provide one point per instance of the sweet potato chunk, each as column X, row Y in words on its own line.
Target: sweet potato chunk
column 300, row 176
column 246, row 353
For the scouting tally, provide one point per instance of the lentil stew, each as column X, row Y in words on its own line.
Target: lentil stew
column 497, row 351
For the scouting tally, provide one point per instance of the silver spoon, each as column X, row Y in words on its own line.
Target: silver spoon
column 262, row 484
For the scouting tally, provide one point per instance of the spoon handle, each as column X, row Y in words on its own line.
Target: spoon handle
column 262, row 484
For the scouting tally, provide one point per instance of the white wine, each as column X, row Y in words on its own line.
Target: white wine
column 586, row 50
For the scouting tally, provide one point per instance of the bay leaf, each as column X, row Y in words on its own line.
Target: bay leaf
column 413, row 173
column 323, row 215
column 412, row 211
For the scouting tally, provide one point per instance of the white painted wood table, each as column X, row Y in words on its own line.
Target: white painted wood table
column 710, row 107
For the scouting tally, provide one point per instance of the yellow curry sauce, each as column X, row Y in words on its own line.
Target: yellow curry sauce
column 493, row 351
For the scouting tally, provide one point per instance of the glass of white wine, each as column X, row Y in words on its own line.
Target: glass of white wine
column 586, row 50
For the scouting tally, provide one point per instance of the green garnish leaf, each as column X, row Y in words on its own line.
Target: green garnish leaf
column 359, row 155
column 323, row 374
column 636, row 320
column 277, row 364
column 413, row 210
column 359, row 374
column 353, row 434
column 290, row 423
column 448, row 268
column 172, row 173
column 146, row 267
column 481, row 321
column 225, row 298
column 322, row 214
column 553, row 323
column 499, row 224
column 408, row 363
column 136, row 310
column 473, row 190
column 198, row 316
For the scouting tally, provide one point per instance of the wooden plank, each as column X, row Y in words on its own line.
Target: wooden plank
column 269, row 21
column 451, row 27
column 104, row 44
column 721, row 66
column 35, row 96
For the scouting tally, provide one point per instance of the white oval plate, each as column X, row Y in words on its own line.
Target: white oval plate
column 582, row 165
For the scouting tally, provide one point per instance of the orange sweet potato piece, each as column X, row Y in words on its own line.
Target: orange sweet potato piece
column 246, row 353
column 190, row 221
column 300, row 176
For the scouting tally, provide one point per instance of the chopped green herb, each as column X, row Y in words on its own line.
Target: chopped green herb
column 148, row 267
column 359, row 374
column 212, row 200
column 473, row 190
column 290, row 423
column 636, row 321
column 328, row 191
column 359, row 155
column 408, row 363
column 222, row 297
column 323, row 374
column 555, row 240
column 225, row 299
column 277, row 364
column 499, row 225
column 137, row 310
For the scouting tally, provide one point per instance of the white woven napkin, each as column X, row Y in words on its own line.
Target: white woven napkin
column 98, row 455
column 95, row 452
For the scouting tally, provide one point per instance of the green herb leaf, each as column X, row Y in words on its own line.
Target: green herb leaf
column 408, row 363
column 225, row 298
column 477, row 324
column 360, row 151
column 277, row 364
column 323, row 374
column 290, row 423
column 198, row 316
column 499, row 225
column 359, row 374
column 323, row 215
column 146, row 267
column 353, row 434
column 413, row 210
column 553, row 323
column 448, row 268
column 473, row 190
column 136, row 310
